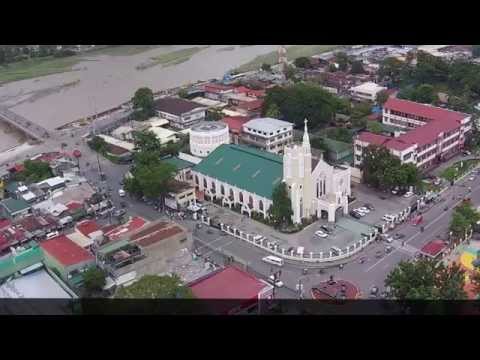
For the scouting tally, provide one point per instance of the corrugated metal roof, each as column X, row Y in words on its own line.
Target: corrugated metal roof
column 178, row 163
column 237, row 164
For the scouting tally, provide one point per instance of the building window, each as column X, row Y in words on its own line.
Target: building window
column 232, row 197
column 260, row 205
column 205, row 183
column 240, row 197
column 358, row 147
column 222, row 190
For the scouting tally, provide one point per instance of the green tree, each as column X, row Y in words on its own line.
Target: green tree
column 332, row 68
column 214, row 115
column 425, row 94
column 426, row 279
column 94, row 280
column 281, row 210
column 464, row 218
column 155, row 287
column 146, row 141
column 339, row 134
column 290, row 72
column 475, row 280
column 152, row 180
column 98, row 144
column 302, row 62
column 183, row 93
column 382, row 97
column 273, row 112
column 266, row 67
column 374, row 127
column 357, row 67
column 302, row 101
column 143, row 104
column 34, row 171
column 391, row 69
column 459, row 103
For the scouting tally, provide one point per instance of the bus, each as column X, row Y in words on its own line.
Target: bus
column 273, row 260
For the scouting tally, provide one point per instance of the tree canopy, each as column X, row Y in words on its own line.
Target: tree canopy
column 342, row 60
column 266, row 67
column 281, row 210
column 94, row 279
column 374, row 127
column 426, row 279
column 391, row 69
column 151, row 180
column 383, row 170
column 464, row 218
column 155, row 287
column 424, row 93
column 302, row 62
column 143, row 103
column 34, row 171
column 302, row 101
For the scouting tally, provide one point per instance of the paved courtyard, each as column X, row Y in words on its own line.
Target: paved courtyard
column 343, row 232
column 391, row 204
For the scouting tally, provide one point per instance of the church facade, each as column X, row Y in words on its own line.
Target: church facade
column 245, row 177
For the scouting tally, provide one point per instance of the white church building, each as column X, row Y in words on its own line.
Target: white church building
column 245, row 177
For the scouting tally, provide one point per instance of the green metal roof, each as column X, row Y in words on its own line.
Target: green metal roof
column 253, row 170
column 337, row 146
column 104, row 250
column 180, row 164
column 13, row 205
column 11, row 264
column 12, row 186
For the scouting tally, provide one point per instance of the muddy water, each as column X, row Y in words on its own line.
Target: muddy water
column 106, row 81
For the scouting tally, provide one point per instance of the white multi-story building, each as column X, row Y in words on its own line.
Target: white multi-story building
column 181, row 113
column 431, row 134
column 366, row 92
column 268, row 134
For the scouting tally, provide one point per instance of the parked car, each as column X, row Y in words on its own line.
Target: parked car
column 388, row 217
column 471, row 178
column 359, row 212
column 467, row 153
column 369, row 206
column 119, row 212
column 374, row 291
column 121, row 192
column 278, row 283
column 321, row 234
column 398, row 236
column 326, row 229
column 388, row 238
column 52, row 235
column 364, row 209
column 408, row 194
column 388, row 249
column 354, row 215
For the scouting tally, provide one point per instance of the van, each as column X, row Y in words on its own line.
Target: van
column 273, row 260
column 52, row 235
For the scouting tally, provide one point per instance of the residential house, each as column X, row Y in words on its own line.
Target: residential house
column 215, row 91
column 182, row 195
column 67, row 258
column 235, row 125
column 183, row 168
column 366, row 92
column 180, row 113
column 14, row 208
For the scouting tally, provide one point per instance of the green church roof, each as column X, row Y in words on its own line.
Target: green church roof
column 253, row 170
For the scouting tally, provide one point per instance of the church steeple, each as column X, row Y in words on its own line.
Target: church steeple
column 306, row 138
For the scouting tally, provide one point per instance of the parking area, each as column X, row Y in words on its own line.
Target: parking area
column 340, row 235
column 384, row 203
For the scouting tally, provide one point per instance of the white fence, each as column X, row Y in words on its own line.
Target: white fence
column 309, row 257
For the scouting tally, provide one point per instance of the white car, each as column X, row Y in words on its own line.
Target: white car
column 388, row 238
column 408, row 194
column 471, row 178
column 364, row 209
column 388, row 217
column 278, row 283
column 121, row 192
column 321, row 234
column 359, row 212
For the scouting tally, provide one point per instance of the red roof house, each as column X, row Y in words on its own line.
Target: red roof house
column 434, row 248
column 65, row 252
column 229, row 283
column 235, row 123
column 87, row 227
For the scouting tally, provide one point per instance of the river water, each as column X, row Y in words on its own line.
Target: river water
column 103, row 81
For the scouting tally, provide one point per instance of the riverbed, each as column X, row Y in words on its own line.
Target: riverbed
column 101, row 82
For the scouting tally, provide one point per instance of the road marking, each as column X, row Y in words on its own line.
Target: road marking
column 425, row 227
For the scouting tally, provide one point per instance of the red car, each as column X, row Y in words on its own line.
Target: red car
column 417, row 220
column 77, row 153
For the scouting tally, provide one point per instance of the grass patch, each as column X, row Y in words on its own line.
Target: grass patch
column 171, row 58
column 293, row 52
column 228, row 48
column 37, row 67
column 122, row 50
